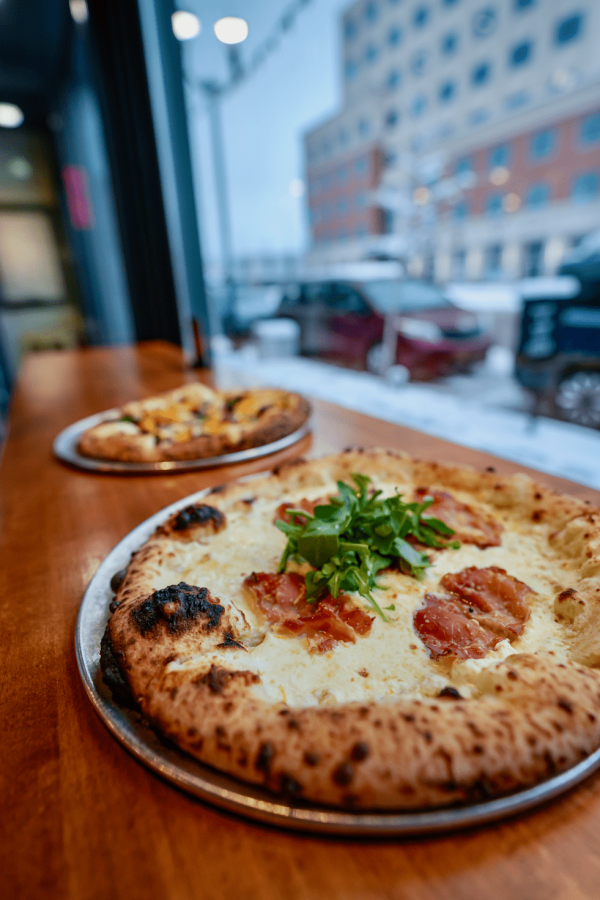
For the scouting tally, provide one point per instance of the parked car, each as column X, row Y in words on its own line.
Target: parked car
column 344, row 322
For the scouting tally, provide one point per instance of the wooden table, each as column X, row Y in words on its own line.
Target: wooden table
column 80, row 817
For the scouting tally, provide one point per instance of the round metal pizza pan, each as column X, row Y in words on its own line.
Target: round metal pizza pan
column 65, row 448
column 248, row 800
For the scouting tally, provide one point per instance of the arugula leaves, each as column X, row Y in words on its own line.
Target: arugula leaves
column 349, row 540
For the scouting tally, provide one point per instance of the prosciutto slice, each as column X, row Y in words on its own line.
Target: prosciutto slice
column 470, row 526
column 480, row 608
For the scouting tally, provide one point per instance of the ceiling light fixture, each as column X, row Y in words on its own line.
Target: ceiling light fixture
column 11, row 115
column 231, row 30
column 185, row 25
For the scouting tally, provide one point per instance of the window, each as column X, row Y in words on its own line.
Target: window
column 519, row 5
column 542, row 144
column 361, row 165
column 534, row 258
column 421, row 16
column 371, row 11
column 418, row 105
column 342, row 206
column 394, row 77
column 520, row 53
column 350, row 29
column 493, row 204
column 364, row 127
column 361, row 199
column 342, row 173
column 499, row 156
column 484, row 21
column 463, row 165
column 371, row 53
column 418, row 63
column 461, row 210
column 391, row 118
column 585, row 187
column 447, row 91
column 478, row 116
column 520, row 98
column 493, row 260
column 343, row 137
column 568, row 29
column 590, row 129
column 481, row 73
column 459, row 259
column 394, row 36
column 350, row 70
column 537, row 196
column 449, row 43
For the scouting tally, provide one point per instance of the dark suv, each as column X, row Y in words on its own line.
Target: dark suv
column 344, row 323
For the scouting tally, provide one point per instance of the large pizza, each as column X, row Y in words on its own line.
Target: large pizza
column 369, row 631
column 194, row 422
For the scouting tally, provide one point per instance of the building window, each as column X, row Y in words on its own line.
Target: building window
column 342, row 173
column 493, row 260
column 493, row 204
column 463, row 165
column 520, row 98
column 371, row 54
column 361, row 165
column 391, row 118
column 342, row 206
column 499, row 156
column 394, row 77
column 585, row 187
column 519, row 5
column 459, row 259
column 534, row 258
column 447, row 91
column 343, row 137
column 361, row 200
column 350, row 70
column 371, row 11
column 542, row 144
column 483, row 23
column 449, row 43
column 418, row 63
column 478, row 116
column 520, row 53
column 350, row 29
column 418, row 105
column 461, row 210
column 394, row 36
column 421, row 16
column 481, row 73
column 537, row 196
column 590, row 129
column 568, row 29
column 364, row 127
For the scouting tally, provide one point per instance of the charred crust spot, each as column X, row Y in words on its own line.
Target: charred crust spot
column 363, row 673
column 199, row 514
column 428, row 736
column 514, row 676
column 111, row 672
column 178, row 606
column 248, row 500
column 449, row 786
column 408, row 717
column 289, row 786
column 117, row 580
column 230, row 641
column 566, row 595
column 293, row 723
column 264, row 758
column 564, row 704
column 537, row 515
column 537, row 495
column 451, row 692
column 311, row 759
column 218, row 489
column 360, row 751
column 363, row 712
column 217, row 678
column 343, row 774
column 113, row 605
column 490, row 469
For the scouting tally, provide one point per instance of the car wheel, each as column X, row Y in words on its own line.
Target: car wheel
column 577, row 398
column 376, row 359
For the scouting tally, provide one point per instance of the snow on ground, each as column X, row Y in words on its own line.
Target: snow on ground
column 486, row 412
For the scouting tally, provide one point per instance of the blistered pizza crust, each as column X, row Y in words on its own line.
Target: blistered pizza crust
column 375, row 722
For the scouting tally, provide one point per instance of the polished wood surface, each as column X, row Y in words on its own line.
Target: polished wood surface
column 80, row 817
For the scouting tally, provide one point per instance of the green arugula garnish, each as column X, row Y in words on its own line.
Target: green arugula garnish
column 349, row 540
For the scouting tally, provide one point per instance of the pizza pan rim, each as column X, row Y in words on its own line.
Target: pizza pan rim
column 251, row 801
column 65, row 448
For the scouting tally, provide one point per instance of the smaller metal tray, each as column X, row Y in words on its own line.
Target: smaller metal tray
column 250, row 800
column 65, row 448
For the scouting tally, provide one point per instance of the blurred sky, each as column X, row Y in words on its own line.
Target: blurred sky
column 298, row 85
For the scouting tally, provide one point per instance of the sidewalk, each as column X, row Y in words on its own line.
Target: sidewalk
column 485, row 412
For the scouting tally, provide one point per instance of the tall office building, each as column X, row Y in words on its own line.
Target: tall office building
column 468, row 142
